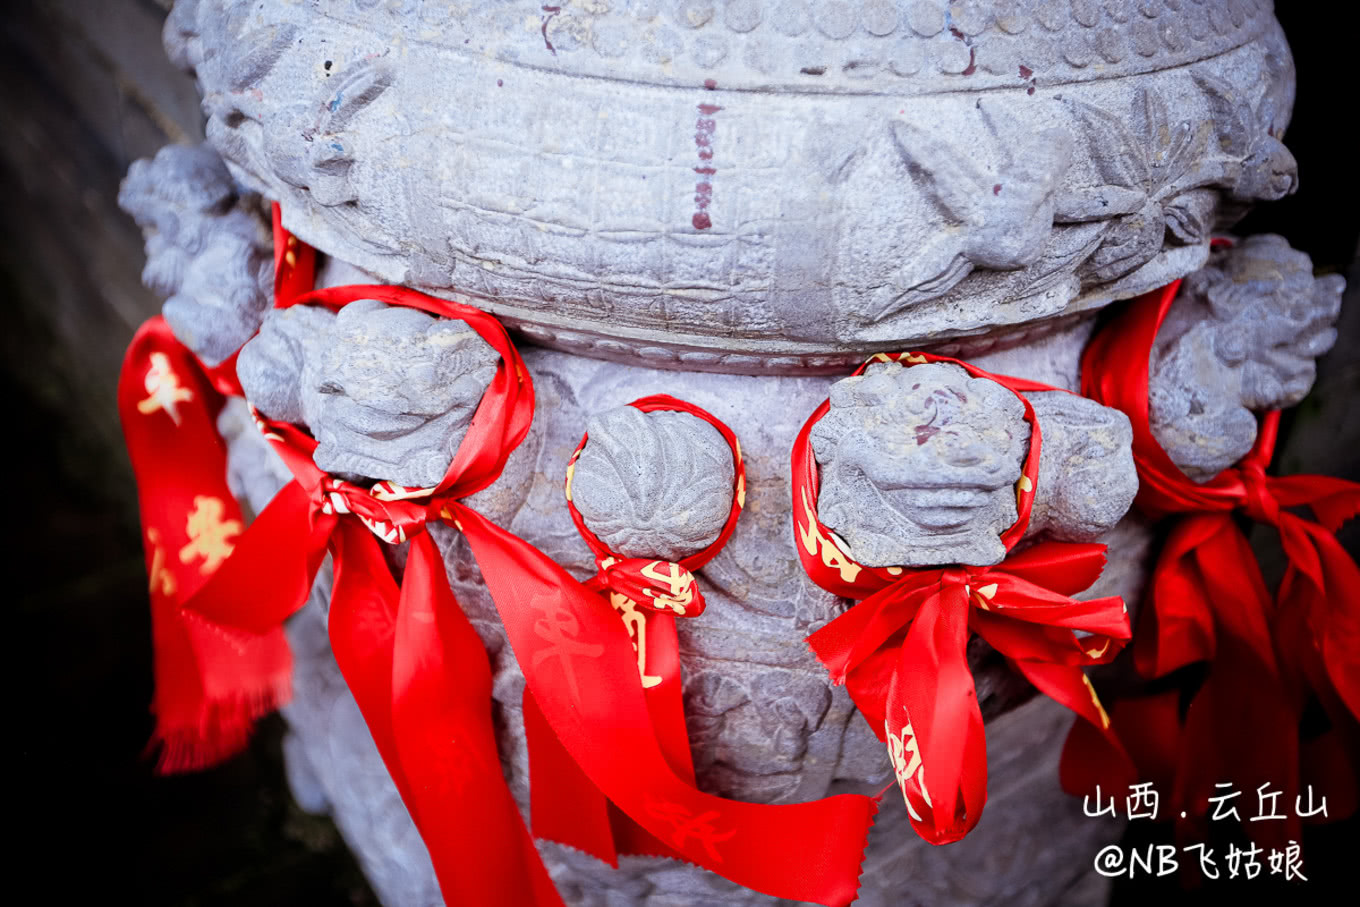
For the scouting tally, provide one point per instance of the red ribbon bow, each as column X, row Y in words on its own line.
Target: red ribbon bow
column 901, row 650
column 416, row 667
column 1208, row 601
column 647, row 595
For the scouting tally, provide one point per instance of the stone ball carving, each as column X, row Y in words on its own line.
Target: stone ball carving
column 1087, row 478
column 753, row 187
column 387, row 391
column 656, row 484
column 919, row 465
column 208, row 249
column 1241, row 337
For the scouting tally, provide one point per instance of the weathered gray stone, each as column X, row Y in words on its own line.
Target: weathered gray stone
column 758, row 186
column 765, row 723
column 270, row 366
column 655, row 484
column 392, row 392
column 919, row 465
column 1087, row 479
column 1241, row 337
column 207, row 248
column 388, row 392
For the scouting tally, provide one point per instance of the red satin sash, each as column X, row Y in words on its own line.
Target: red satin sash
column 210, row 687
column 416, row 667
column 1208, row 602
column 901, row 650
column 647, row 595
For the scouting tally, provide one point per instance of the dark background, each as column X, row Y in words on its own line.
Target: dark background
column 84, row 91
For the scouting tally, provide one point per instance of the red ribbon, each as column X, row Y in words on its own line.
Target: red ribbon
column 1208, row 601
column 210, row 685
column 612, row 758
column 647, row 595
column 901, row 651
column 423, row 681
column 415, row 665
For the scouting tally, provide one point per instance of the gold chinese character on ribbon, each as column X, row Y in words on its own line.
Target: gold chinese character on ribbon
column 210, row 536
column 166, row 393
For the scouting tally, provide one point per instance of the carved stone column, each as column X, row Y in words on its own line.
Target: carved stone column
column 732, row 203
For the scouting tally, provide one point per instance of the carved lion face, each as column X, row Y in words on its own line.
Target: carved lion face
column 918, row 465
column 388, row 392
column 1242, row 337
column 392, row 390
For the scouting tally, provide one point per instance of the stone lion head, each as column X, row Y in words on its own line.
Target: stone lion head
column 918, row 465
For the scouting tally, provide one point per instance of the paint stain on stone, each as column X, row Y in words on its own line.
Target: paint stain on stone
column 552, row 12
column 705, row 126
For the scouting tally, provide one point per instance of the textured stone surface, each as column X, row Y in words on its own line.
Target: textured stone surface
column 656, row 484
column 759, row 185
column 207, row 248
column 1087, row 480
column 1241, row 338
column 387, row 391
column 764, row 721
column 919, row 464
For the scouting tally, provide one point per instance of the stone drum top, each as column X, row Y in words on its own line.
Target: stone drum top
column 753, row 185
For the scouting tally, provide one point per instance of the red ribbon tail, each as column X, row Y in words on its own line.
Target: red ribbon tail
column 583, row 673
column 934, row 725
column 211, row 688
column 422, row 680
column 446, row 741
column 1105, row 761
column 565, row 805
column 211, row 684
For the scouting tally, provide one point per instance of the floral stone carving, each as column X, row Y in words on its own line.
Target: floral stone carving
column 655, row 484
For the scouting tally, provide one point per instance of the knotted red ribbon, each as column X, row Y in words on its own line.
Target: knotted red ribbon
column 412, row 660
column 1207, row 601
column 422, row 679
column 901, row 651
column 210, row 687
column 647, row 595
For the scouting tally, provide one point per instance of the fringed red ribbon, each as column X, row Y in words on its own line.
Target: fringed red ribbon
column 210, row 686
column 423, row 680
column 647, row 595
column 901, row 651
column 415, row 665
column 1208, row 602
